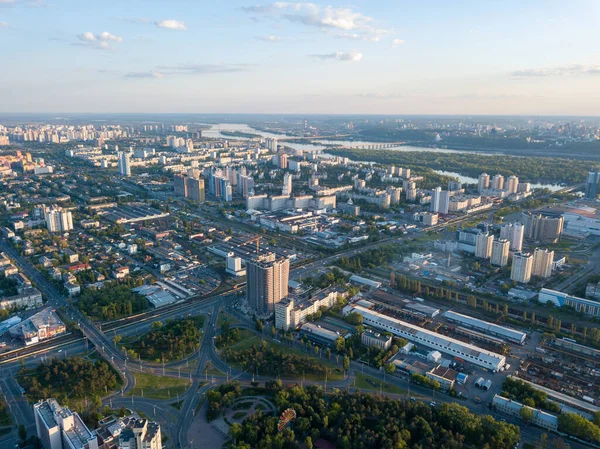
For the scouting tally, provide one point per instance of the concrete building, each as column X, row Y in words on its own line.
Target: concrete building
column 59, row 220
column 140, row 434
column 500, row 250
column 124, row 163
column 514, row 233
column 512, row 185
column 591, row 185
column 293, row 312
column 28, row 298
column 513, row 408
column 445, row 376
column 544, row 228
column 268, row 277
column 429, row 339
column 512, row 335
column 498, row 182
column 440, row 200
column 287, row 184
column 59, row 428
column 559, row 299
column 483, row 182
column 195, row 189
column 41, row 326
column 542, row 263
column 483, row 245
column 375, row 339
column 521, row 267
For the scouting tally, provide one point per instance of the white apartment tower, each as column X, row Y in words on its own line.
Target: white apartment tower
column 287, row 184
column 498, row 182
column 542, row 263
column 512, row 184
column 58, row 220
column 59, row 428
column 483, row 182
column 483, row 245
column 514, row 233
column 124, row 163
column 522, row 264
column 500, row 252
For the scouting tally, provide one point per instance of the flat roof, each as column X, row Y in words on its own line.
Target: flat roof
column 485, row 326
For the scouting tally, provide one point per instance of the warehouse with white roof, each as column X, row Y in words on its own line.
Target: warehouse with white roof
column 511, row 335
column 433, row 340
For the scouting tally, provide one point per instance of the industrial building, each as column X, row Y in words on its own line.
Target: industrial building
column 320, row 335
column 540, row 418
column 371, row 339
column 433, row 340
column 511, row 335
column 559, row 299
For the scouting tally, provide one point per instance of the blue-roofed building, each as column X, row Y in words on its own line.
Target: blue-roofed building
column 560, row 299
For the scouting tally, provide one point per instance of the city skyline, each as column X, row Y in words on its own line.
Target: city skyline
column 279, row 57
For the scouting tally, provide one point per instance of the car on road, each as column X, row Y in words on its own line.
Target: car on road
column 433, row 404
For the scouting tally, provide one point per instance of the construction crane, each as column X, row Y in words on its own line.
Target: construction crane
column 253, row 240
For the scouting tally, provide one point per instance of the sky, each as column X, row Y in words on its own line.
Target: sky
column 461, row 57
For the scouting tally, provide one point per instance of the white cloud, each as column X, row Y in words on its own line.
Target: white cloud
column 3, row 24
column 171, row 24
column 270, row 38
column 567, row 70
column 141, row 75
column 397, row 42
column 342, row 22
column 352, row 56
column 189, row 69
column 101, row 41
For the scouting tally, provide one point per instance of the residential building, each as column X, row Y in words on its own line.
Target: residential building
column 195, row 189
column 267, row 282
column 542, row 263
column 483, row 182
column 59, row 220
column 540, row 418
column 287, row 184
column 545, row 228
column 500, row 250
column 60, row 428
column 498, row 182
column 514, row 233
column 124, row 163
column 483, row 245
column 512, row 185
column 522, row 264
column 591, row 185
column 292, row 312
column 140, row 434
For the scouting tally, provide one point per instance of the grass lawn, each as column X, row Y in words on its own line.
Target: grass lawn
column 158, row 387
column 365, row 382
column 247, row 340
column 225, row 316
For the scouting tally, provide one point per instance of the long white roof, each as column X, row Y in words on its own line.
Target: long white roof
column 486, row 326
column 433, row 339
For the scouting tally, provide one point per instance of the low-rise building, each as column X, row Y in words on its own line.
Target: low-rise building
column 445, row 376
column 292, row 311
column 540, row 418
column 41, row 326
column 28, row 298
column 375, row 339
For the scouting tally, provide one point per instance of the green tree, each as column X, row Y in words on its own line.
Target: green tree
column 308, row 443
column 346, row 363
column 526, row 414
column 22, row 431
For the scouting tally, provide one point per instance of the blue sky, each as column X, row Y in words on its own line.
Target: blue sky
column 378, row 56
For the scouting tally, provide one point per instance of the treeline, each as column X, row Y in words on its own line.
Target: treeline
column 228, row 336
column 172, row 341
column 111, row 302
column 358, row 421
column 69, row 379
column 578, row 426
column 269, row 361
column 532, row 169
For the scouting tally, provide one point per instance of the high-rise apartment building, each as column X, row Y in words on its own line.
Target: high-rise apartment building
column 500, row 252
column 195, row 189
column 513, row 232
column 59, row 428
column 287, row 184
column 124, row 163
column 440, row 201
column 522, row 264
column 542, row 263
column 267, row 282
column 498, row 182
column 591, row 185
column 180, row 185
column 58, row 220
column 454, row 186
column 483, row 245
column 512, row 184
column 544, row 228
column 410, row 188
column 484, row 182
